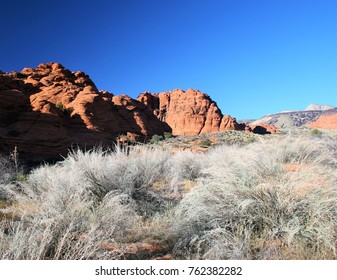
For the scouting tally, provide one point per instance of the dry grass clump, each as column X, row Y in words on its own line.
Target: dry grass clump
column 274, row 198
column 209, row 140
column 250, row 207
column 7, row 170
column 68, row 210
column 57, row 222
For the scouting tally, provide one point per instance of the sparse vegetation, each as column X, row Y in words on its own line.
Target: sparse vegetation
column 167, row 135
column 7, row 170
column 205, row 143
column 14, row 156
column 316, row 131
column 60, row 106
column 156, row 138
column 230, row 137
column 274, row 198
column 126, row 140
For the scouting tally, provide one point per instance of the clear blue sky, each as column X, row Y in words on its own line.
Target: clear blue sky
column 253, row 57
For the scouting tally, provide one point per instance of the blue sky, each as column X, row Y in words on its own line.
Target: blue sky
column 253, row 57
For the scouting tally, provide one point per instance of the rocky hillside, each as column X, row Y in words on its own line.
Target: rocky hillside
column 315, row 107
column 327, row 120
column 296, row 118
column 47, row 110
column 189, row 112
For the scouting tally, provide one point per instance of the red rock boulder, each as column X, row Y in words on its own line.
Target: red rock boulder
column 264, row 128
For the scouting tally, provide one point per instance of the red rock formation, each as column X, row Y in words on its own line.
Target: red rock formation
column 47, row 110
column 264, row 128
column 328, row 121
column 188, row 113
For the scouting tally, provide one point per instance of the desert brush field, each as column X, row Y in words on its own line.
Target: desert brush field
column 256, row 197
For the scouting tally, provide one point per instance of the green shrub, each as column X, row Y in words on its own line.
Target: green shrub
column 168, row 135
column 205, row 143
column 316, row 131
column 156, row 138
column 21, row 177
column 249, row 140
column 60, row 106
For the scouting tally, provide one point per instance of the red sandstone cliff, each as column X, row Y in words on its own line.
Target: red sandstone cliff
column 188, row 113
column 47, row 110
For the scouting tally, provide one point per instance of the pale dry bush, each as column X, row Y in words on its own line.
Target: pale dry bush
column 7, row 170
column 57, row 221
column 68, row 210
column 249, row 206
column 132, row 172
column 272, row 199
column 185, row 169
column 187, row 165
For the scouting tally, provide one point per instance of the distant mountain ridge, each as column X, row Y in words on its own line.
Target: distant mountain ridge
column 316, row 107
column 299, row 118
column 327, row 120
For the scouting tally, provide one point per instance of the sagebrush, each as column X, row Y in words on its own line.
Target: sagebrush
column 274, row 198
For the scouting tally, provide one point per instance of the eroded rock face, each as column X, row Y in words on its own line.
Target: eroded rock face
column 264, row 128
column 46, row 111
column 327, row 121
column 188, row 113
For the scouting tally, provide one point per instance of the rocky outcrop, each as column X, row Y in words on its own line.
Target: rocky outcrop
column 264, row 128
column 328, row 120
column 46, row 111
column 188, row 113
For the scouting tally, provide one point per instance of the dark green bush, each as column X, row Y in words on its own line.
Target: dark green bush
column 316, row 131
column 156, row 138
column 168, row 135
column 205, row 143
